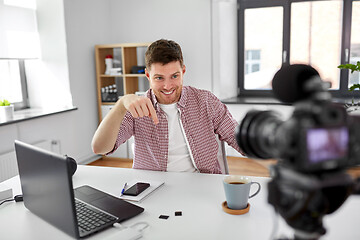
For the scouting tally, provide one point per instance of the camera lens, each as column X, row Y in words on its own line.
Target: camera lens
column 256, row 133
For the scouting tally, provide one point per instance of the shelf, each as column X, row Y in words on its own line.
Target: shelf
column 134, row 75
column 124, row 75
column 109, row 76
column 125, row 56
column 121, row 45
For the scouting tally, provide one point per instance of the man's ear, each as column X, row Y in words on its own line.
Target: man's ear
column 147, row 74
column 184, row 69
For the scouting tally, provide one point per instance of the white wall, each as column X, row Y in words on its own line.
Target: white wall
column 224, row 48
column 86, row 24
column 187, row 22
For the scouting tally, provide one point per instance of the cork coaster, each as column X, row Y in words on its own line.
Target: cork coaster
column 235, row 211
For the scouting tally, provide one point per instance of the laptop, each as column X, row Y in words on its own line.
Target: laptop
column 46, row 182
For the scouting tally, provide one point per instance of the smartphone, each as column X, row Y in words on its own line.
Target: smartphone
column 136, row 189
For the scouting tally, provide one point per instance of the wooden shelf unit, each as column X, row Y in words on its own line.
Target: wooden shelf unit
column 127, row 82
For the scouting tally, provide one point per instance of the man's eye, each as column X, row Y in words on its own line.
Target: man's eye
column 175, row 76
column 158, row 78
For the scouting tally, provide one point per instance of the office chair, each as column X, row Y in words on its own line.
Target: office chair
column 222, row 156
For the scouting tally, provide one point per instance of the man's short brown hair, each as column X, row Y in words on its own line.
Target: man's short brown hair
column 163, row 51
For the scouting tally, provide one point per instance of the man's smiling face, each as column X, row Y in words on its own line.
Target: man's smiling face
column 166, row 81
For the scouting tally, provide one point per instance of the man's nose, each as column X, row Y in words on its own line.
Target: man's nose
column 167, row 84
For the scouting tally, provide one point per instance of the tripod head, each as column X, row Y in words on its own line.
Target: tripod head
column 303, row 199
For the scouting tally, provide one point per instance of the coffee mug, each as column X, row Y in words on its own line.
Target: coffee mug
column 237, row 190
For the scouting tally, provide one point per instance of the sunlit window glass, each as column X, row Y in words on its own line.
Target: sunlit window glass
column 316, row 37
column 10, row 81
column 263, row 46
column 31, row 4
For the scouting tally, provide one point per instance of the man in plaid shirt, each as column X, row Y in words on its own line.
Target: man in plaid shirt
column 174, row 126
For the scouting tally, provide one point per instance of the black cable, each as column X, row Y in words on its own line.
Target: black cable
column 17, row 198
column 8, row 200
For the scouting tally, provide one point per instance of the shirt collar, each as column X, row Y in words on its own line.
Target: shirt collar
column 182, row 101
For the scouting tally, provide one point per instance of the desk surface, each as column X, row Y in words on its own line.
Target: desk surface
column 198, row 196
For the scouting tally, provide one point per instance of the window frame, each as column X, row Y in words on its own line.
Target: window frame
column 342, row 92
column 24, row 90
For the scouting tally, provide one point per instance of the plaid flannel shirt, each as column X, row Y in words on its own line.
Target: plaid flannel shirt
column 202, row 115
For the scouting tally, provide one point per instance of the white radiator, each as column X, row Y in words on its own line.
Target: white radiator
column 8, row 163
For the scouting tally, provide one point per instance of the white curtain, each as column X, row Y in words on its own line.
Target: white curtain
column 19, row 36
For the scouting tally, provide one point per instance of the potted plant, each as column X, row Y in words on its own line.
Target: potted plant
column 6, row 110
column 353, row 68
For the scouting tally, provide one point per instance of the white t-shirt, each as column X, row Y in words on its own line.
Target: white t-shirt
column 179, row 159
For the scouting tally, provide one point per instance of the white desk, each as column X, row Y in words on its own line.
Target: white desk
column 198, row 196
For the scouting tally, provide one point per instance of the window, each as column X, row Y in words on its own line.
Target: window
column 13, row 82
column 19, row 41
column 315, row 37
column 322, row 33
column 265, row 35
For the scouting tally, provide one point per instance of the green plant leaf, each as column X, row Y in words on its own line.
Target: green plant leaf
column 4, row 103
column 350, row 66
column 354, row 86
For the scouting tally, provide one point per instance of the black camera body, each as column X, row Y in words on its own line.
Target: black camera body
column 319, row 136
column 313, row 148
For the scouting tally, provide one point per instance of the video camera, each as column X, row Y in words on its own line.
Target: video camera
column 313, row 147
column 320, row 135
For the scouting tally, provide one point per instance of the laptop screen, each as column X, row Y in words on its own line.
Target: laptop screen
column 46, row 183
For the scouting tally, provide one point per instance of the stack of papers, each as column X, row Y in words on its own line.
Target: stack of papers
column 153, row 186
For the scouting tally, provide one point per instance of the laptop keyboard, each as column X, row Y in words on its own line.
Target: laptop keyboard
column 91, row 219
